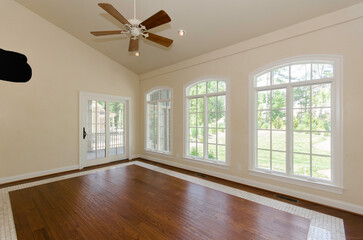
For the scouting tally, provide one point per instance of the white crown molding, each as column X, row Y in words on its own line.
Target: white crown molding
column 37, row 174
column 328, row 20
column 298, row 194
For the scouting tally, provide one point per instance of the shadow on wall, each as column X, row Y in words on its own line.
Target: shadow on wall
column 14, row 67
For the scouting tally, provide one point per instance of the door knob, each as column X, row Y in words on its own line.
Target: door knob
column 84, row 133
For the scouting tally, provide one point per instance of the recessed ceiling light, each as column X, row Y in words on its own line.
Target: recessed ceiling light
column 137, row 54
column 181, row 32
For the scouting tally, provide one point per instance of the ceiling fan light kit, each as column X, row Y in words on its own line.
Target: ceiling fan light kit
column 135, row 28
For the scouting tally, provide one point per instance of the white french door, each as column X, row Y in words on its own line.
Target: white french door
column 104, row 129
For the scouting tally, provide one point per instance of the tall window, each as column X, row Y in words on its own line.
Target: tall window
column 206, row 121
column 295, row 122
column 158, row 113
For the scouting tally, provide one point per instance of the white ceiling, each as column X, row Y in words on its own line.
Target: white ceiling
column 210, row 24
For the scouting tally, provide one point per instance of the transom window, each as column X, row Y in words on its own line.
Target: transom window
column 294, row 122
column 158, row 121
column 206, row 114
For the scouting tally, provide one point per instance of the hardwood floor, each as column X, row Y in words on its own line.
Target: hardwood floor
column 353, row 223
column 137, row 203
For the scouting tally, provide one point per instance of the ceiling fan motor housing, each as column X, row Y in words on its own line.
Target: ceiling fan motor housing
column 136, row 28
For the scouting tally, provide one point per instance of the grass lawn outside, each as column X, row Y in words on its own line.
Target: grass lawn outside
column 321, row 165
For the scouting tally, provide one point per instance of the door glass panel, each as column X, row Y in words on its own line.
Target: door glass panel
column 96, row 129
column 117, row 130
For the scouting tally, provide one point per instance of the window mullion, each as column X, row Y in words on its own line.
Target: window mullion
column 289, row 130
column 270, row 131
column 158, row 128
column 311, row 135
column 205, row 127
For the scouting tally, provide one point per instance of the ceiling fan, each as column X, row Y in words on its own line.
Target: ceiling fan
column 135, row 28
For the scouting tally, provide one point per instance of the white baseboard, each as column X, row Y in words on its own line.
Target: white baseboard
column 302, row 195
column 134, row 156
column 37, row 174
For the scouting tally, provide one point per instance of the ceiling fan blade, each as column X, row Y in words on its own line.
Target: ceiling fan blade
column 166, row 42
column 114, row 13
column 102, row 33
column 155, row 20
column 134, row 45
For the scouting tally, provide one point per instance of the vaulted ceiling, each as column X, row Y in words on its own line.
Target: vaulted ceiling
column 210, row 24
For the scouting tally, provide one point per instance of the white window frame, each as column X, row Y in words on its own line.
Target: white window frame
column 203, row 161
column 146, row 120
column 336, row 183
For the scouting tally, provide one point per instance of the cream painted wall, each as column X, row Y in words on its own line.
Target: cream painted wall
column 344, row 39
column 39, row 119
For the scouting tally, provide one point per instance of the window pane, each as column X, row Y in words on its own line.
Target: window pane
column 192, row 134
column 192, row 120
column 212, row 151
column 301, row 142
column 302, row 119
column 221, row 120
column 154, row 95
column 202, row 88
column 263, row 159
column 212, row 135
column 279, row 99
column 212, row 117
column 263, row 100
column 192, row 91
column 302, row 164
column 200, row 150
column 164, row 94
column 152, row 131
column 279, row 161
column 263, row 139
column 280, row 75
column 200, row 133
column 221, row 153
column 300, row 72
column 221, row 103
column 263, row 80
column 321, row 119
column 221, row 136
column 192, row 105
column 322, row 71
column 221, row 86
column 278, row 119
column 321, row 143
column 321, row 167
column 321, row 95
column 279, row 140
column 192, row 149
column 212, row 104
column 200, row 105
column 301, row 97
column 212, row 87
column 200, row 120
column 263, row 119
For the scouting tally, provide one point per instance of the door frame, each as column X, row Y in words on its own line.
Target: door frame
column 128, row 127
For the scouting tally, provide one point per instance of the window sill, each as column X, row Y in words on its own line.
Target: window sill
column 298, row 181
column 207, row 163
column 166, row 154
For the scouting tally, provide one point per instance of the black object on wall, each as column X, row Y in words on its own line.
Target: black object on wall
column 14, row 67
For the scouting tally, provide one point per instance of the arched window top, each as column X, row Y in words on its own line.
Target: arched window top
column 207, row 86
column 295, row 71
column 158, row 94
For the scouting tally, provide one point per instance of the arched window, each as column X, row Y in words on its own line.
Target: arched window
column 158, row 120
column 206, row 120
column 296, row 119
